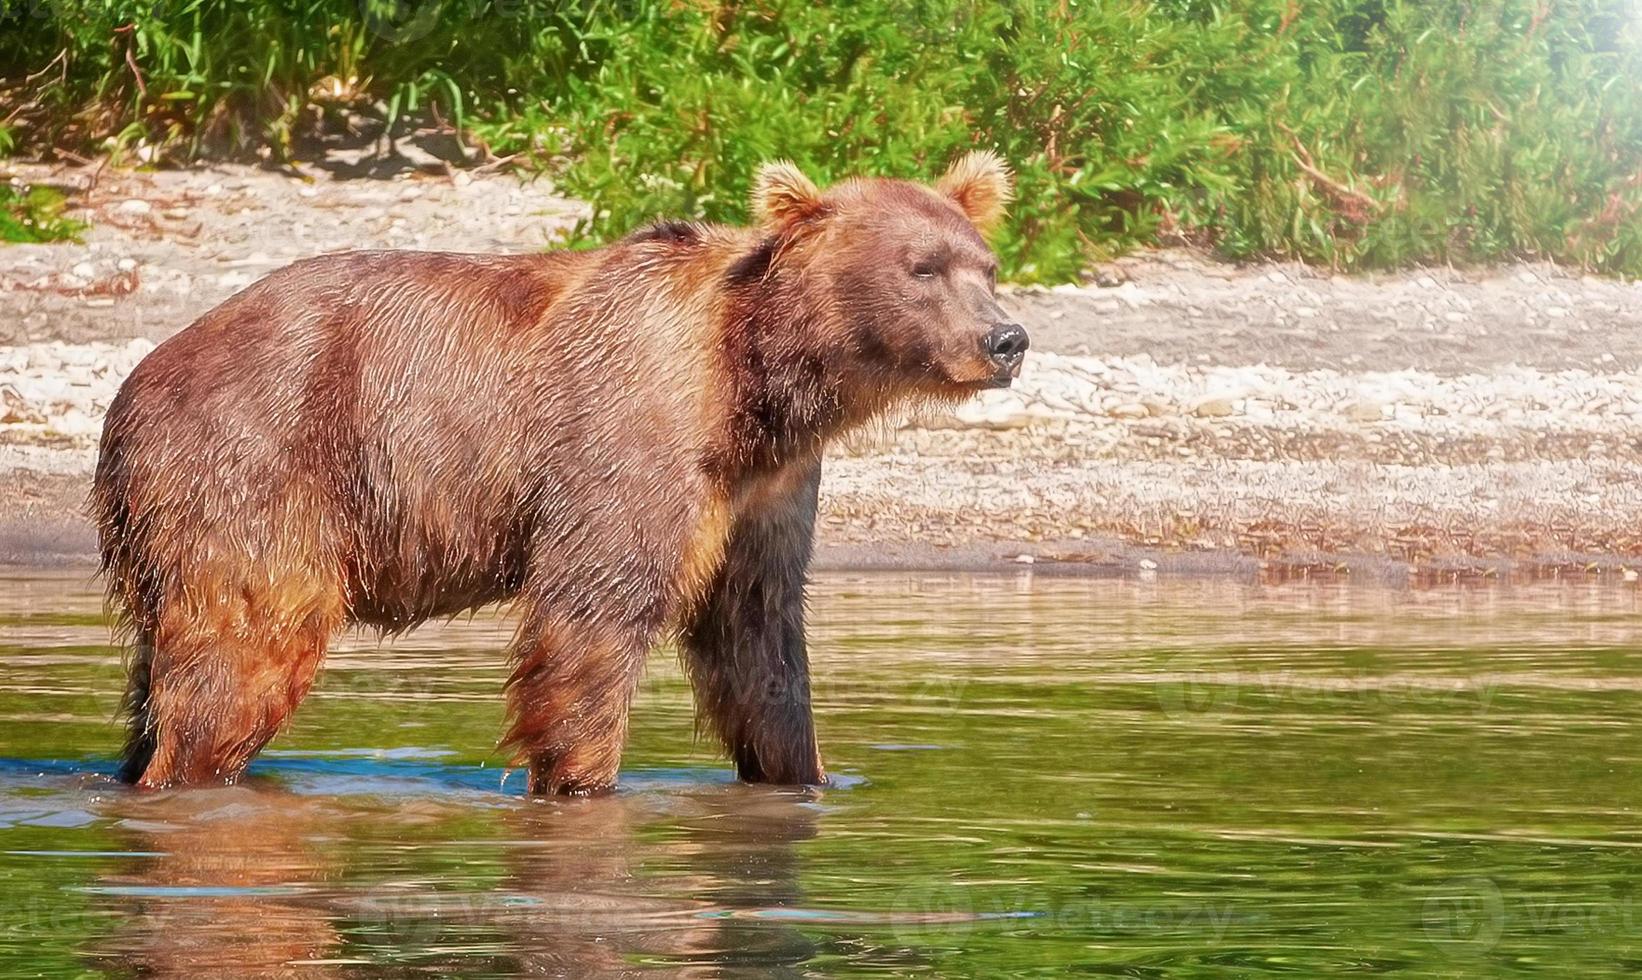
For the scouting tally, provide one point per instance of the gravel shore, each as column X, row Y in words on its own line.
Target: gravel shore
column 1175, row 414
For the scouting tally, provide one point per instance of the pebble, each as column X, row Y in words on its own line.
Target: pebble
column 1363, row 411
column 134, row 206
column 1214, row 408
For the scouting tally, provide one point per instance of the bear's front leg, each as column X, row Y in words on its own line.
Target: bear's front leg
column 744, row 646
column 568, row 701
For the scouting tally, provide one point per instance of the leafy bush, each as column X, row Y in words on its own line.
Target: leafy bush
column 1352, row 132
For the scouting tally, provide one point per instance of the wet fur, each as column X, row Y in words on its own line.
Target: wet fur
column 624, row 441
column 744, row 647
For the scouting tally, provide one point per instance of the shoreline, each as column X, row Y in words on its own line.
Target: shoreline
column 1177, row 416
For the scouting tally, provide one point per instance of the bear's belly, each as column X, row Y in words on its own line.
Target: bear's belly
column 398, row 592
column 394, row 612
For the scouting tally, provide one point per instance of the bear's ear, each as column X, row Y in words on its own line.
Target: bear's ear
column 782, row 194
column 980, row 184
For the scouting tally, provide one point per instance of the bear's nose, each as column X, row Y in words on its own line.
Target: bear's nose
column 1006, row 344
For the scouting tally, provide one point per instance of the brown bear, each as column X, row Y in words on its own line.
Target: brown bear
column 626, row 440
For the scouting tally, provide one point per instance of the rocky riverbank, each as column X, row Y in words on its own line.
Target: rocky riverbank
column 1177, row 413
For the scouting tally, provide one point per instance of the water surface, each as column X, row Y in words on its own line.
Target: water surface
column 1154, row 779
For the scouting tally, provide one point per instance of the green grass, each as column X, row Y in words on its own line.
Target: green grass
column 32, row 214
column 35, row 215
column 1356, row 133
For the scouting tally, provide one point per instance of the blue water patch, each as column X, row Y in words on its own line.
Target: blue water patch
column 11, row 768
column 65, row 819
column 405, row 772
column 337, row 774
column 187, row 891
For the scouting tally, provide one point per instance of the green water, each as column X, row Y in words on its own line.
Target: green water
column 1154, row 779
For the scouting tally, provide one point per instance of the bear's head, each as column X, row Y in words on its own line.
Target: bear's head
column 909, row 284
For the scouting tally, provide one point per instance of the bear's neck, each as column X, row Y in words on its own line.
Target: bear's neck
column 788, row 394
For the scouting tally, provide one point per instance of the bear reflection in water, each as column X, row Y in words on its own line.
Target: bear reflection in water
column 255, row 880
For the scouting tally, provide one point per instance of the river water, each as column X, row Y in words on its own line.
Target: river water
column 1140, row 778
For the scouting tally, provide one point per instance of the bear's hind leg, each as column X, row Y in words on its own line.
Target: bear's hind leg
column 568, row 701
column 139, row 741
column 225, row 670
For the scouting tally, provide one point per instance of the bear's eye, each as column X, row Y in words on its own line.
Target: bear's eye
column 926, row 269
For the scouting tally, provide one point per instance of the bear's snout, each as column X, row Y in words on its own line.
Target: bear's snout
column 1005, row 345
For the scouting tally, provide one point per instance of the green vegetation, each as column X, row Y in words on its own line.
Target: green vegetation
column 1358, row 133
column 31, row 214
column 34, row 214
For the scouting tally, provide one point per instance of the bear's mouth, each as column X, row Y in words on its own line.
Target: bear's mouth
column 1001, row 377
column 1005, row 375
